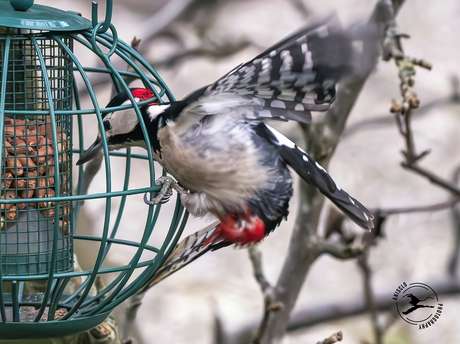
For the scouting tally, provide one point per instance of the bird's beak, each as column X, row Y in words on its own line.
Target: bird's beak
column 91, row 152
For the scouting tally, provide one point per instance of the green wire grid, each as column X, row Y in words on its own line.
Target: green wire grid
column 48, row 92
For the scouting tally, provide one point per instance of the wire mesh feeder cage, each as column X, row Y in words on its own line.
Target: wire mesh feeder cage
column 42, row 294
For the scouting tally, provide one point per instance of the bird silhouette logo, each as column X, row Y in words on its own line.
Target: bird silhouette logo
column 415, row 303
column 418, row 304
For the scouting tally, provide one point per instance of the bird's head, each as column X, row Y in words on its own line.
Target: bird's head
column 121, row 128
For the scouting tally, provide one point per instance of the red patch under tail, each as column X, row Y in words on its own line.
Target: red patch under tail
column 240, row 229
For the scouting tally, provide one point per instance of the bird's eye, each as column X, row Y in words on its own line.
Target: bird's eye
column 107, row 125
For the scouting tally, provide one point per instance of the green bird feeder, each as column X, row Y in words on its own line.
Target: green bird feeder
column 42, row 81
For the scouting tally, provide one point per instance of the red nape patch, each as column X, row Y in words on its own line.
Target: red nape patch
column 143, row 94
column 242, row 229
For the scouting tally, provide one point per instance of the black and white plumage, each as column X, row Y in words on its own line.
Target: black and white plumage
column 216, row 145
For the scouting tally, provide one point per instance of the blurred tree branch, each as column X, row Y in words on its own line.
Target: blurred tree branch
column 321, row 140
column 363, row 263
column 267, row 290
column 384, row 120
column 453, row 261
column 311, row 316
column 333, row 338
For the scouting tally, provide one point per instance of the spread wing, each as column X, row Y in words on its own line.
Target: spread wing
column 285, row 82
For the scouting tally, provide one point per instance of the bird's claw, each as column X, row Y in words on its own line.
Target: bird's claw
column 160, row 198
column 163, row 196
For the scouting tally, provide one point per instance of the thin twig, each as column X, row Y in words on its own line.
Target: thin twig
column 130, row 314
column 369, row 296
column 339, row 250
column 269, row 306
column 377, row 122
column 256, row 260
column 218, row 332
column 404, row 110
column 426, row 208
column 433, row 178
column 454, row 258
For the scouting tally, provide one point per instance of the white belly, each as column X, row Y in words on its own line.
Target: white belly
column 221, row 170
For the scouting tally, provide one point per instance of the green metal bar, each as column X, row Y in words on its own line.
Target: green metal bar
column 148, row 229
column 107, row 43
column 126, row 73
column 149, row 272
column 80, row 142
column 145, row 277
column 123, row 154
column 94, row 20
column 35, row 113
column 135, row 105
column 101, row 27
column 141, row 280
column 15, row 301
column 86, row 197
column 79, row 273
column 93, row 275
column 117, row 293
column 115, row 241
column 2, row 124
column 56, row 296
column 134, row 261
column 105, row 291
column 126, row 277
column 122, row 202
column 126, row 59
column 148, row 67
column 52, row 263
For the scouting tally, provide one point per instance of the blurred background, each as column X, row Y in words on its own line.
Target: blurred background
column 193, row 43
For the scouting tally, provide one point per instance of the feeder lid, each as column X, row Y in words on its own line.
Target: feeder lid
column 22, row 14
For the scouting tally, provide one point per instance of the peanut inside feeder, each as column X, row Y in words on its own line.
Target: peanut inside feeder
column 29, row 171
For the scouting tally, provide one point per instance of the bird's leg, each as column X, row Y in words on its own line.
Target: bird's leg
column 163, row 196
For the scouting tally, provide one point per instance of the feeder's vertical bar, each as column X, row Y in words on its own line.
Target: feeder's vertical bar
column 108, row 16
column 68, row 85
column 143, row 279
column 104, row 291
column 94, row 20
column 149, row 68
column 52, row 263
column 147, row 233
column 105, row 303
column 2, row 123
column 147, row 274
column 56, row 296
column 126, row 274
column 80, row 148
column 122, row 202
column 90, row 280
column 14, row 299
column 127, row 59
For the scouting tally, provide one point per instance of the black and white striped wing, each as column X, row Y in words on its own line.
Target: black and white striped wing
column 293, row 77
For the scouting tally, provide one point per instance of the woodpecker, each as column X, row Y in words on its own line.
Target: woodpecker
column 226, row 160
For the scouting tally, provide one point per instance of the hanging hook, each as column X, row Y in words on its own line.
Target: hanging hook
column 108, row 16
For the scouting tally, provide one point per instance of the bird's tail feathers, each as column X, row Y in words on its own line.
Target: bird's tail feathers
column 185, row 252
column 314, row 174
